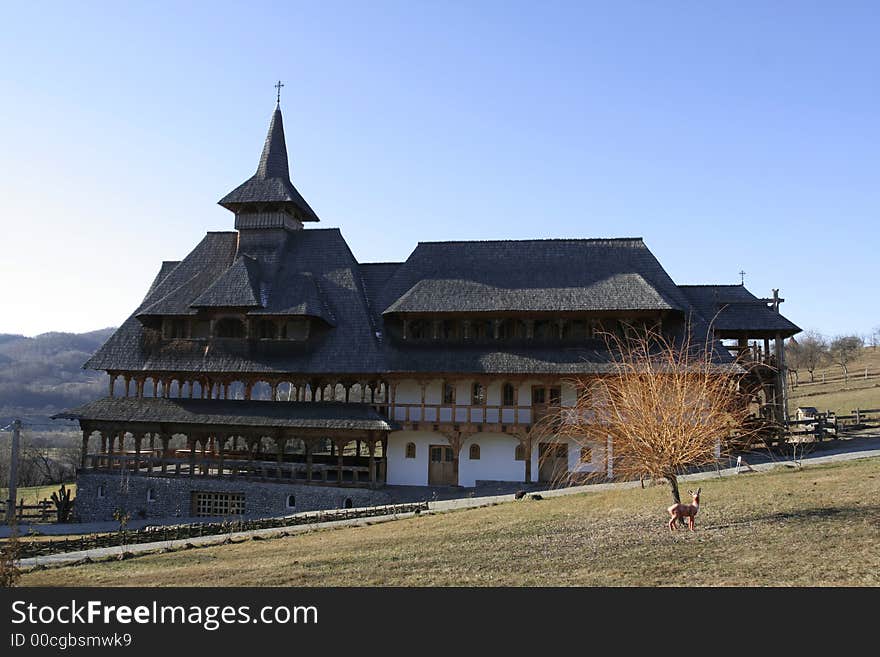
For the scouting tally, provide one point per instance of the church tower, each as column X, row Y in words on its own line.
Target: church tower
column 268, row 200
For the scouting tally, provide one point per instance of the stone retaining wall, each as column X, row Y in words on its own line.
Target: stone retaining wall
column 172, row 496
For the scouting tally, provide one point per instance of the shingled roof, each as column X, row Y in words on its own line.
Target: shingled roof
column 237, row 287
column 532, row 276
column 271, row 183
column 242, row 413
column 306, row 272
column 732, row 308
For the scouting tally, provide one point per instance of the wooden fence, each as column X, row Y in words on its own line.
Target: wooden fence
column 42, row 511
column 176, row 532
column 831, row 425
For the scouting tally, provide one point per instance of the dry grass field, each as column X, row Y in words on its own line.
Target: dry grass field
column 816, row 526
column 836, row 394
column 34, row 494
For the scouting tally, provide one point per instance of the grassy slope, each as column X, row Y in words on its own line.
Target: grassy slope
column 834, row 394
column 33, row 494
column 819, row 526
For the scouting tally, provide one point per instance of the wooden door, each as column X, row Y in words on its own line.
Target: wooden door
column 441, row 470
column 552, row 462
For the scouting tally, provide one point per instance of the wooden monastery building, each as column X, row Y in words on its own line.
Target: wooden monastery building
column 269, row 372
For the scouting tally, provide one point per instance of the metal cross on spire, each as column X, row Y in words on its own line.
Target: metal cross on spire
column 742, row 277
column 278, row 95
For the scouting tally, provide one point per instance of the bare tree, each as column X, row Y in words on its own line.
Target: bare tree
column 666, row 407
column 843, row 349
column 814, row 352
column 875, row 337
column 794, row 360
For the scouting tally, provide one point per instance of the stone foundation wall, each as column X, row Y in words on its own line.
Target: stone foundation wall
column 172, row 496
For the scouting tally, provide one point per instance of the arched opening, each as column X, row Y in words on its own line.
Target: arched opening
column 475, row 452
column 229, row 327
column 520, row 453
column 347, row 504
column 261, row 390
column 410, row 450
column 291, row 501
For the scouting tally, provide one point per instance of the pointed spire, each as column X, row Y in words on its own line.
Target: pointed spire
column 270, row 189
column 273, row 161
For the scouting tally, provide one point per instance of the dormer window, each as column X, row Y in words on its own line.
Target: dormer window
column 295, row 329
column 229, row 327
column 176, row 329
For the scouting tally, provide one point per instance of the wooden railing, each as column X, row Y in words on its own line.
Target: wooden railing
column 42, row 511
column 213, row 466
column 452, row 413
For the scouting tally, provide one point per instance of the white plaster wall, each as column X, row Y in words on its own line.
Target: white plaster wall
column 497, row 460
column 410, row 472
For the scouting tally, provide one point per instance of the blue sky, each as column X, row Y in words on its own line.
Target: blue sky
column 729, row 135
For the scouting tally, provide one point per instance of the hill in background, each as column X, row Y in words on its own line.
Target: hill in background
column 43, row 375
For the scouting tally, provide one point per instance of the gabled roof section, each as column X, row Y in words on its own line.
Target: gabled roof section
column 186, row 281
column 531, row 276
column 295, row 293
column 237, row 287
column 271, row 183
column 732, row 308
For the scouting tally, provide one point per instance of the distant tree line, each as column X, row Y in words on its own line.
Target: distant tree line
column 812, row 351
column 43, row 375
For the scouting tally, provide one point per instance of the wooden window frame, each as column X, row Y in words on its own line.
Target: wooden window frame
column 474, row 452
column 406, row 452
column 450, row 386
column 478, row 400
column 504, row 399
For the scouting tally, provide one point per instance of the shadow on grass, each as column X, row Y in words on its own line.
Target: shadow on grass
column 834, row 513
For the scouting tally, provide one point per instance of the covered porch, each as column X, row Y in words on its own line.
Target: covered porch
column 324, row 443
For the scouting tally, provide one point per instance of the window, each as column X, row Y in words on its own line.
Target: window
column 347, row 504
column 410, row 450
column 175, row 329
column 586, row 455
column 295, row 329
column 217, row 504
column 101, row 492
column 229, row 328
column 542, row 395
column 478, row 395
column 475, row 452
column 151, row 495
column 266, row 329
column 508, row 394
column 520, row 453
column 448, row 393
column 291, row 501
column 539, row 396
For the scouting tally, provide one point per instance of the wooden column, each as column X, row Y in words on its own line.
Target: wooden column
column 309, row 445
column 110, row 393
column 85, row 448
column 191, row 444
column 372, row 447
column 340, row 448
column 138, row 437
